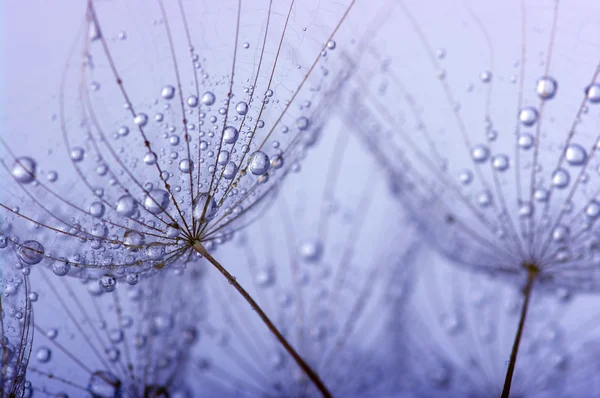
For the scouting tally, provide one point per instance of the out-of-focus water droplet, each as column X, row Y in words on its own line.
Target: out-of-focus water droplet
column 500, row 162
column 126, row 206
column 141, row 119
column 155, row 251
column 103, row 384
column 575, row 155
column 259, row 163
column 108, row 283
column 156, row 201
column 561, row 178
column 593, row 93
column 99, row 230
column 310, row 251
column 31, row 252
column 43, row 354
column 480, row 153
column 593, row 209
column 546, row 88
column 77, row 154
column 528, row 116
column 485, row 76
column 24, row 169
column 52, row 176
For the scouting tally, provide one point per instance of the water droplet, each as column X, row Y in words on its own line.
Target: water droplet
column 108, row 283
column 241, row 108
column 310, row 251
column 133, row 240
column 211, row 207
column 185, row 165
column 104, row 384
column 526, row 210
column 593, row 209
column 31, row 252
column 150, row 158
column 465, row 177
column 480, row 153
column 43, row 354
column 575, row 155
column 192, row 101
column 485, row 76
column 230, row 135
column 97, row 209
column 546, row 88
column 230, row 170
column 593, row 93
column 126, row 206
column 99, row 230
column 526, row 141
column 208, row 98
column 52, row 176
column 500, row 162
column 156, row 201
column 302, row 123
column 259, row 163
column 155, row 251
column 141, row 119
column 168, row 92
column 561, row 178
column 560, row 233
column 61, row 268
column 77, row 154
column 24, row 169
column 223, row 158
column 331, row 45
column 528, row 116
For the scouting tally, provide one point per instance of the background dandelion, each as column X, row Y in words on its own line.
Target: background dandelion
column 458, row 331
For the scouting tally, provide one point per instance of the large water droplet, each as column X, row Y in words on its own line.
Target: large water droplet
column 168, row 92
column 155, row 251
column 156, row 201
column 133, row 240
column 575, row 155
column 211, row 207
column 480, row 153
column 241, row 108
column 23, row 169
column 230, row 135
column 259, row 163
column 528, row 116
column 561, row 178
column 126, row 206
column 208, row 98
column 230, row 171
column 97, row 209
column 546, row 88
column 31, row 252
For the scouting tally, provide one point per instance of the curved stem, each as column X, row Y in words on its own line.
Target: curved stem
column 515, row 349
column 312, row 375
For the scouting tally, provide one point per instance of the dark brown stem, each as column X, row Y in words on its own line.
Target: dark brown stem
column 312, row 375
column 515, row 349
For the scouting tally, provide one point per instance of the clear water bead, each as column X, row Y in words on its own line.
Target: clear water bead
column 259, row 163
column 593, row 93
column 208, row 98
column 576, row 155
column 230, row 170
column 593, row 209
column 500, row 162
column 155, row 252
column 156, row 201
column 241, row 108
column 108, row 283
column 31, row 252
column 24, row 169
column 168, row 92
column 61, row 268
column 211, row 207
column 77, row 154
column 546, row 88
column 192, row 101
column 185, row 165
column 126, row 206
column 310, row 251
column 141, row 119
column 561, row 178
column 97, row 209
column 480, row 153
column 528, row 116
column 43, row 354
column 526, row 141
column 133, row 240
column 230, row 135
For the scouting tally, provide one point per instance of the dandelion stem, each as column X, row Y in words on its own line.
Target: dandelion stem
column 312, row 375
column 532, row 272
